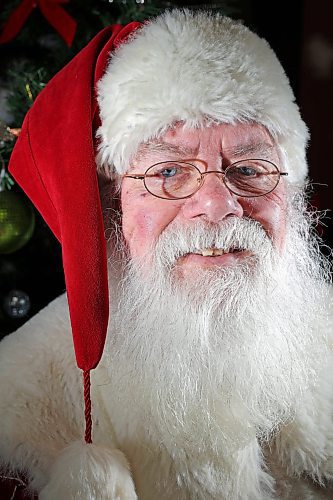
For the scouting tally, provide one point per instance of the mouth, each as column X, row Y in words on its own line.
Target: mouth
column 214, row 252
column 208, row 257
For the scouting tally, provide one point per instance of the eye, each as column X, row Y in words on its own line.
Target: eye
column 247, row 171
column 168, row 172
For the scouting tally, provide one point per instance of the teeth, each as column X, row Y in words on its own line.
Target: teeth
column 219, row 251
column 213, row 252
column 210, row 252
column 207, row 252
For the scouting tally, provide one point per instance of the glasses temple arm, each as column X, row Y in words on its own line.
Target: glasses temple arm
column 134, row 176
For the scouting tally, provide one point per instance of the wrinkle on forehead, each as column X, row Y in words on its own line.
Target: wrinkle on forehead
column 249, row 140
column 235, row 141
column 160, row 146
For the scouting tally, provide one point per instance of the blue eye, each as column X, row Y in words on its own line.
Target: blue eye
column 247, row 171
column 168, row 172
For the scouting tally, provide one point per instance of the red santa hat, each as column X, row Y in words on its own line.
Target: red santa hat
column 130, row 84
column 54, row 162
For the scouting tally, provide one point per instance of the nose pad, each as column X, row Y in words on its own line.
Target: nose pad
column 213, row 200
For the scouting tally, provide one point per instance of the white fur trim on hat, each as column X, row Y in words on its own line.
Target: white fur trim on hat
column 199, row 69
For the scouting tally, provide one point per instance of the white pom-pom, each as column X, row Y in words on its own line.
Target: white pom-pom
column 89, row 472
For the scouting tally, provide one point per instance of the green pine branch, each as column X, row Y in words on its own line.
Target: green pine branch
column 26, row 85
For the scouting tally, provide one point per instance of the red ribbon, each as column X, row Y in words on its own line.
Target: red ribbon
column 55, row 14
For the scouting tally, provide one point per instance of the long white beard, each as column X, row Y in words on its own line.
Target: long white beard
column 226, row 356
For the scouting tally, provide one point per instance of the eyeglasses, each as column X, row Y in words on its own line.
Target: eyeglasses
column 176, row 180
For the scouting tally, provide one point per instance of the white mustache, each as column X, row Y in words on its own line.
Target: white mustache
column 234, row 233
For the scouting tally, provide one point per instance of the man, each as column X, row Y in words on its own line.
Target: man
column 215, row 381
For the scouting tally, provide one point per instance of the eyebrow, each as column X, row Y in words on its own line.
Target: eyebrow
column 260, row 148
column 169, row 149
column 181, row 151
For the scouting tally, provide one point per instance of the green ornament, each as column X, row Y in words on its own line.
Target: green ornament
column 17, row 221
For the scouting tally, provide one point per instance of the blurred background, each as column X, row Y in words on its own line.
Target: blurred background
column 38, row 37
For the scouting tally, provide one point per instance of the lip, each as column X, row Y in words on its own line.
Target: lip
column 227, row 259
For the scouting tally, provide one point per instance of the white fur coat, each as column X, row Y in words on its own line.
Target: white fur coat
column 41, row 414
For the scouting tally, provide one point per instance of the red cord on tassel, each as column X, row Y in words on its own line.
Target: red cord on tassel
column 87, row 406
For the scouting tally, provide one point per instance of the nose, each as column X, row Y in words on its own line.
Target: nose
column 213, row 200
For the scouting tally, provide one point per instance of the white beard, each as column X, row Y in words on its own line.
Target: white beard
column 213, row 363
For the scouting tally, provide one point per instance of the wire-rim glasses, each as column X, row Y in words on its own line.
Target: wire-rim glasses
column 176, row 180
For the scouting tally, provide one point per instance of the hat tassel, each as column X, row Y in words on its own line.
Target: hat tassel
column 87, row 406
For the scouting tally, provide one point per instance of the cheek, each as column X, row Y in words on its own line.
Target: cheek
column 139, row 229
column 270, row 211
column 143, row 220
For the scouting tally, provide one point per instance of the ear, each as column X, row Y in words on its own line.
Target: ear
column 109, row 192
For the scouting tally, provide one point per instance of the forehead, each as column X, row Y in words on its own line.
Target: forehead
column 228, row 140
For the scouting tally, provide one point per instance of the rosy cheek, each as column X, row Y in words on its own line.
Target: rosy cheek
column 270, row 211
column 144, row 218
column 137, row 226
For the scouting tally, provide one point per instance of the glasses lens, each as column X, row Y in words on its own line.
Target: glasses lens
column 252, row 178
column 172, row 180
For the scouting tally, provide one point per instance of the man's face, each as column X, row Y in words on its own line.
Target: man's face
column 206, row 336
column 145, row 217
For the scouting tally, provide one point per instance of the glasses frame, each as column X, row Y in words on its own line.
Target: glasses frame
column 201, row 175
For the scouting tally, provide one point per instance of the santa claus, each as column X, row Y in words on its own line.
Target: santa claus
column 215, row 381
